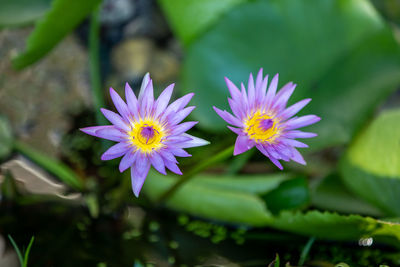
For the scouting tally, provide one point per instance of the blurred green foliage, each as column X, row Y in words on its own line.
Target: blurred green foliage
column 61, row 19
column 15, row 13
column 371, row 167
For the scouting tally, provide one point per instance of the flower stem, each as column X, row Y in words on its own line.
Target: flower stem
column 224, row 154
column 94, row 65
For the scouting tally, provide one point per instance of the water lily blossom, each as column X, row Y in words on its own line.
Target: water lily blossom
column 261, row 119
column 148, row 131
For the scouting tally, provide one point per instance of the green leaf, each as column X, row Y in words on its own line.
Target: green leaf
column 217, row 197
column 6, row 138
column 63, row 172
column 330, row 193
column 325, row 225
column 60, row 20
column 189, row 18
column 371, row 166
column 291, row 194
column 21, row 12
column 340, row 53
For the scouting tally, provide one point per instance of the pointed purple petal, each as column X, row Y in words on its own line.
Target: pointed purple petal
column 119, row 104
column 115, row 151
column 193, row 142
column 282, row 97
column 177, row 105
column 236, row 130
column 145, row 81
column 172, row 167
column 271, row 91
column 139, row 173
column 229, row 118
column 297, row 157
column 251, row 91
column 108, row 132
column 115, row 119
column 299, row 134
column 243, row 143
column 234, row 91
column 293, row 109
column 168, row 156
column 146, row 104
column 183, row 127
column 163, row 100
column 179, row 152
column 180, row 115
column 128, row 160
column 301, row 122
column 292, row 142
column 236, row 108
column 158, row 163
column 131, row 101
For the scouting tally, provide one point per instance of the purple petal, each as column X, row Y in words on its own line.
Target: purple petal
column 108, row 132
column 145, row 81
column 172, row 167
column 119, row 104
column 115, row 119
column 236, row 108
column 229, row 118
column 157, row 162
column 251, row 91
column 177, row 105
column 179, row 152
column 263, row 150
column 168, row 156
column 262, row 91
column 180, row 115
column 271, row 91
column 283, row 96
column 299, row 134
column 177, row 139
column 139, row 173
column 243, row 143
column 131, row 101
column 301, row 122
column 292, row 142
column 259, row 79
column 183, row 127
column 293, row 109
column 193, row 142
column 236, row 130
column 116, row 151
column 297, row 157
column 244, row 99
column 235, row 93
column 146, row 104
column 128, row 160
column 163, row 100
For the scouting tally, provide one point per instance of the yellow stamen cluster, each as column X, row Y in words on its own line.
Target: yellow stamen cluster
column 147, row 135
column 255, row 130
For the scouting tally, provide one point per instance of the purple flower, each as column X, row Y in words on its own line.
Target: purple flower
column 148, row 131
column 261, row 119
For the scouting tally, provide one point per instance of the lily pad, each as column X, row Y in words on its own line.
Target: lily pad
column 371, row 166
column 340, row 53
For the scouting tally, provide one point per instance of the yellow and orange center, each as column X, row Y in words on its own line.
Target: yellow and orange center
column 262, row 127
column 147, row 135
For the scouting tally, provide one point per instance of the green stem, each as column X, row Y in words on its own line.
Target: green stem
column 94, row 66
column 19, row 254
column 306, row 251
column 28, row 250
column 224, row 154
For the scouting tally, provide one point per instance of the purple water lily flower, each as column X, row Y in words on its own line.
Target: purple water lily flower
column 261, row 119
column 148, row 131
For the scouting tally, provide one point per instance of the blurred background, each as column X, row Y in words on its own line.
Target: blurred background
column 58, row 59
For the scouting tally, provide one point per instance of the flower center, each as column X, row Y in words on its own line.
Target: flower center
column 147, row 135
column 262, row 127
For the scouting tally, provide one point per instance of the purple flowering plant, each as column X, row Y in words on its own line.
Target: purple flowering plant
column 148, row 131
column 261, row 119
